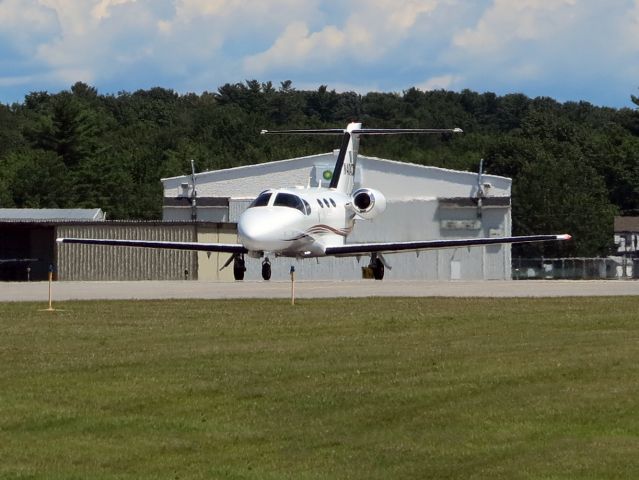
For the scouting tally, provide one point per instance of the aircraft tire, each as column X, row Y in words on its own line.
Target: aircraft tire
column 238, row 268
column 378, row 269
column 266, row 271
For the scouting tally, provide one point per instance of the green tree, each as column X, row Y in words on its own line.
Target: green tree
column 41, row 180
column 573, row 164
column 559, row 194
column 67, row 129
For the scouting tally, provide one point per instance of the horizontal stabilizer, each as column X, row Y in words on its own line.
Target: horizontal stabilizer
column 321, row 131
column 362, row 131
column 398, row 131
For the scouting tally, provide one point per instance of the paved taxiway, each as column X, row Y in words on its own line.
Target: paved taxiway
column 38, row 291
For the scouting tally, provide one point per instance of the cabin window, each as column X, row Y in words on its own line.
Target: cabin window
column 290, row 201
column 320, row 203
column 307, row 207
column 261, row 200
column 326, row 203
column 332, row 202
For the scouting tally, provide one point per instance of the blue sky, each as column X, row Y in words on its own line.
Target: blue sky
column 565, row 49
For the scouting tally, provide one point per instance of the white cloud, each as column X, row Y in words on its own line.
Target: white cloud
column 517, row 21
column 631, row 28
column 371, row 31
column 24, row 22
column 20, row 13
column 445, row 82
column 199, row 34
column 103, row 8
column 249, row 16
column 86, row 46
column 566, row 49
column 74, row 16
column 297, row 46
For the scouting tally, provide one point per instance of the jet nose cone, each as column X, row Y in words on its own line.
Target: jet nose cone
column 248, row 230
column 266, row 230
column 255, row 229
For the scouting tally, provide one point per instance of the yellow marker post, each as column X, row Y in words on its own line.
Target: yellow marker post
column 50, row 309
column 292, row 285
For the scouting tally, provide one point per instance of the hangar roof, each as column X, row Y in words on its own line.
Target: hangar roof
column 397, row 180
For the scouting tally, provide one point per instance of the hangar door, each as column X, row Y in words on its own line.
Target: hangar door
column 494, row 262
column 26, row 251
column 209, row 263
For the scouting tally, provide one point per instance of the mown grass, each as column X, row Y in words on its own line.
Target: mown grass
column 366, row 388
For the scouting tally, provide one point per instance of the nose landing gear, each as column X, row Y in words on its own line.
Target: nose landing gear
column 238, row 267
column 378, row 267
column 266, row 269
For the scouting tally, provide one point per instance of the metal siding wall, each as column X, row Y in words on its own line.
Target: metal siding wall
column 495, row 268
column 212, row 214
column 493, row 263
column 237, row 207
column 92, row 262
column 508, row 265
column 176, row 214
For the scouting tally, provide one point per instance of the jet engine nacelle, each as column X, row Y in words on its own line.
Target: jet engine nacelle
column 368, row 203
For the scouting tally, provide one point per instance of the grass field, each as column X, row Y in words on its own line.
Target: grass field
column 366, row 388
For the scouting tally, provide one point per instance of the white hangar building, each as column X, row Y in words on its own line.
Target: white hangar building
column 422, row 203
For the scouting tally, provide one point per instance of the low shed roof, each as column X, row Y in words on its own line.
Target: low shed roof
column 49, row 214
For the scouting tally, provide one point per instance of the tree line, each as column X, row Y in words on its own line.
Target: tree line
column 574, row 165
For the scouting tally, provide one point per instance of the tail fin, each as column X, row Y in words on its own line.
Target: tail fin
column 344, row 173
column 343, row 177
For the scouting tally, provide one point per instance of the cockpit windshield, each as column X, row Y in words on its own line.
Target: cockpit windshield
column 289, row 200
column 261, row 200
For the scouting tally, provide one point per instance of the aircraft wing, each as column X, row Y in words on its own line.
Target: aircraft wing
column 354, row 249
column 197, row 246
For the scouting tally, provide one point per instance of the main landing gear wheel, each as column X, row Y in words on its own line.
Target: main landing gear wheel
column 266, row 269
column 238, row 267
column 378, row 268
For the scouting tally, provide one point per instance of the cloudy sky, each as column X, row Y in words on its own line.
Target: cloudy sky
column 566, row 49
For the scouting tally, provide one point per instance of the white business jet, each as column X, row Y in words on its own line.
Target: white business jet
column 315, row 222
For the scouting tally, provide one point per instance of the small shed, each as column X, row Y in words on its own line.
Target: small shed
column 27, row 239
